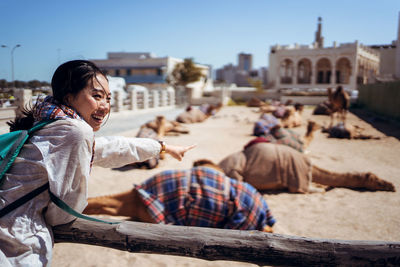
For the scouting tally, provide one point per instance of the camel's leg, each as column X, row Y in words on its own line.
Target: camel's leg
column 332, row 119
column 350, row 180
column 344, row 113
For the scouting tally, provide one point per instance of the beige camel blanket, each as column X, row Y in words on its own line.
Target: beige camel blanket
column 270, row 166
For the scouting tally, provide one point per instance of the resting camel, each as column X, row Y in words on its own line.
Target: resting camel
column 324, row 108
column 193, row 115
column 278, row 135
column 255, row 102
column 199, row 196
column 340, row 101
column 162, row 126
column 292, row 116
column 157, row 129
column 269, row 166
column 348, row 131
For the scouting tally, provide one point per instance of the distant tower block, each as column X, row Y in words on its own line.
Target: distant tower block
column 319, row 40
column 245, row 62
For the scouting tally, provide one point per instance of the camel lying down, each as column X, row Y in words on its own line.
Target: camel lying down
column 162, row 126
column 348, row 131
column 157, row 129
column 269, row 166
column 199, row 196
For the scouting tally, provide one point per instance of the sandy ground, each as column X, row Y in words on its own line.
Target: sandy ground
column 336, row 214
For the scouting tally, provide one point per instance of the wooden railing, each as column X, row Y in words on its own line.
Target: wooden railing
column 233, row 245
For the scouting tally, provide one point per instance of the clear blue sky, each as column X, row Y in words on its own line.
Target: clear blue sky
column 211, row 31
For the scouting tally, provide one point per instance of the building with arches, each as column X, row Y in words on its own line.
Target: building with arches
column 316, row 66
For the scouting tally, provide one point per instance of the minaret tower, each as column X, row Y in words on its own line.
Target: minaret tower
column 397, row 67
column 319, row 40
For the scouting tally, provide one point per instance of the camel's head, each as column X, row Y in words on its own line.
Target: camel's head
column 160, row 118
column 312, row 126
column 374, row 183
column 207, row 163
column 289, row 111
column 299, row 107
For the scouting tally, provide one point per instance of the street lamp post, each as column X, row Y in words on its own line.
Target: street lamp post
column 12, row 61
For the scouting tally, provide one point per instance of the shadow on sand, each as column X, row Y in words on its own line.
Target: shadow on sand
column 388, row 126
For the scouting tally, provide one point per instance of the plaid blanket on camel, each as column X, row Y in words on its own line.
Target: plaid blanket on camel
column 204, row 197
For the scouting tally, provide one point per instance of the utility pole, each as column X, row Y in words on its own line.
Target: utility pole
column 12, row 61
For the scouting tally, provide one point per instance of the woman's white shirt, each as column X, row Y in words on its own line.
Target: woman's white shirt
column 59, row 154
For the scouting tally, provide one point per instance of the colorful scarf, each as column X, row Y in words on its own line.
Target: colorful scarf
column 51, row 109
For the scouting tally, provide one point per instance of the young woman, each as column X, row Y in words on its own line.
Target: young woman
column 62, row 154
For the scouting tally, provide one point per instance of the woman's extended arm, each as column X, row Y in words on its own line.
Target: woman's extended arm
column 117, row 151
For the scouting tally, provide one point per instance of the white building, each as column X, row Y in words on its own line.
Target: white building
column 316, row 66
column 148, row 70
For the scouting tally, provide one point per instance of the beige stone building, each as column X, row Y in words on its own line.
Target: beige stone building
column 148, row 70
column 316, row 66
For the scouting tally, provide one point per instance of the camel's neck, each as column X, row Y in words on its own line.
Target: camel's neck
column 330, row 96
column 308, row 137
column 124, row 204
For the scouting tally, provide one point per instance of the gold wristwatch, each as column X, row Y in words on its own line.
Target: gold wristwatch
column 162, row 143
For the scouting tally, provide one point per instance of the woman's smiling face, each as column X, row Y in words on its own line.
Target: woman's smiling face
column 93, row 102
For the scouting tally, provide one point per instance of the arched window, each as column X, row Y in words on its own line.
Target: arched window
column 343, row 71
column 304, row 71
column 324, row 71
column 286, row 71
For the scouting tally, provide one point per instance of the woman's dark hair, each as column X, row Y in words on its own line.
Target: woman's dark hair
column 69, row 79
column 72, row 77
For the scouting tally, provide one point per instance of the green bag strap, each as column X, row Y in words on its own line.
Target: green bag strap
column 59, row 203
column 17, row 146
column 9, row 159
column 39, row 125
column 64, row 206
column 22, row 200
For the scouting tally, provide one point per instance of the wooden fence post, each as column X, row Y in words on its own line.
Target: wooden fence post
column 221, row 244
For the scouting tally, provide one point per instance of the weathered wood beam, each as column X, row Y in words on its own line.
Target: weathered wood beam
column 219, row 244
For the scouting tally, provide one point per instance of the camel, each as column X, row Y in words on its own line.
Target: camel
column 324, row 108
column 255, row 102
column 347, row 131
column 162, row 126
column 199, row 196
column 157, row 129
column 292, row 116
column 146, row 132
column 269, row 130
column 193, row 115
column 340, row 101
column 269, row 166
